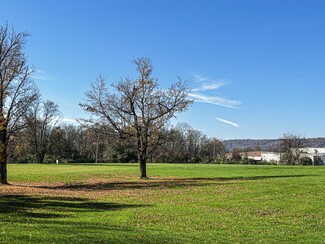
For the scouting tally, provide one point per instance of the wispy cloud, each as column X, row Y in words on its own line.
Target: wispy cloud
column 209, row 87
column 207, row 84
column 200, row 78
column 42, row 76
column 220, row 101
column 57, row 120
column 201, row 130
column 227, row 122
column 70, row 121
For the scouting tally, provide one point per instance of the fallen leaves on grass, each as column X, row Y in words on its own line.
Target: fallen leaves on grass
column 95, row 187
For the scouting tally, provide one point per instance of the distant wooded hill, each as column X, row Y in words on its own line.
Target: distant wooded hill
column 267, row 144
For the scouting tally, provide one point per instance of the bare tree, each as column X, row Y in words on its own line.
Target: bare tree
column 138, row 109
column 235, row 155
column 193, row 138
column 17, row 91
column 41, row 121
column 175, row 148
column 212, row 149
column 291, row 147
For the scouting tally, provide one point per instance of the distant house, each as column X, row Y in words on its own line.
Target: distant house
column 262, row 156
column 317, row 155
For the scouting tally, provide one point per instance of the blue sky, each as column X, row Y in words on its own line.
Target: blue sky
column 257, row 67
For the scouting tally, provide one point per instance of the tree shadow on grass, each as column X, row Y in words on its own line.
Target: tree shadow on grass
column 48, row 219
column 28, row 206
column 162, row 183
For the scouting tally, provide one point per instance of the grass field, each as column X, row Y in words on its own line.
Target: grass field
column 180, row 203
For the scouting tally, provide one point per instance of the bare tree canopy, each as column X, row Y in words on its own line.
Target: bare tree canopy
column 137, row 108
column 41, row 123
column 17, row 91
column 290, row 147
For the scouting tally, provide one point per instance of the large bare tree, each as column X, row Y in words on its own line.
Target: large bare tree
column 17, row 91
column 138, row 108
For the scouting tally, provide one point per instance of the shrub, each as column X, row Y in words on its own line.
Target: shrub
column 306, row 161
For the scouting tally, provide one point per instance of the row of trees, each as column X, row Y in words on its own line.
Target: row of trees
column 44, row 140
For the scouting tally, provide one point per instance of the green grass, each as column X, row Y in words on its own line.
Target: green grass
column 181, row 203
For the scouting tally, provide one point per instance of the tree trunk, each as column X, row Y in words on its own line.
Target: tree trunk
column 3, row 156
column 142, row 157
column 40, row 158
column 143, row 168
column 3, row 172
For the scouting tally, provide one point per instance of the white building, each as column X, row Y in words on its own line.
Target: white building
column 260, row 155
column 271, row 156
column 317, row 155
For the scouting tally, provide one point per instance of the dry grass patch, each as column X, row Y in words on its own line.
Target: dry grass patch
column 95, row 187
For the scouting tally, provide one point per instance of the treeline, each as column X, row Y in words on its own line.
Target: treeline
column 46, row 140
